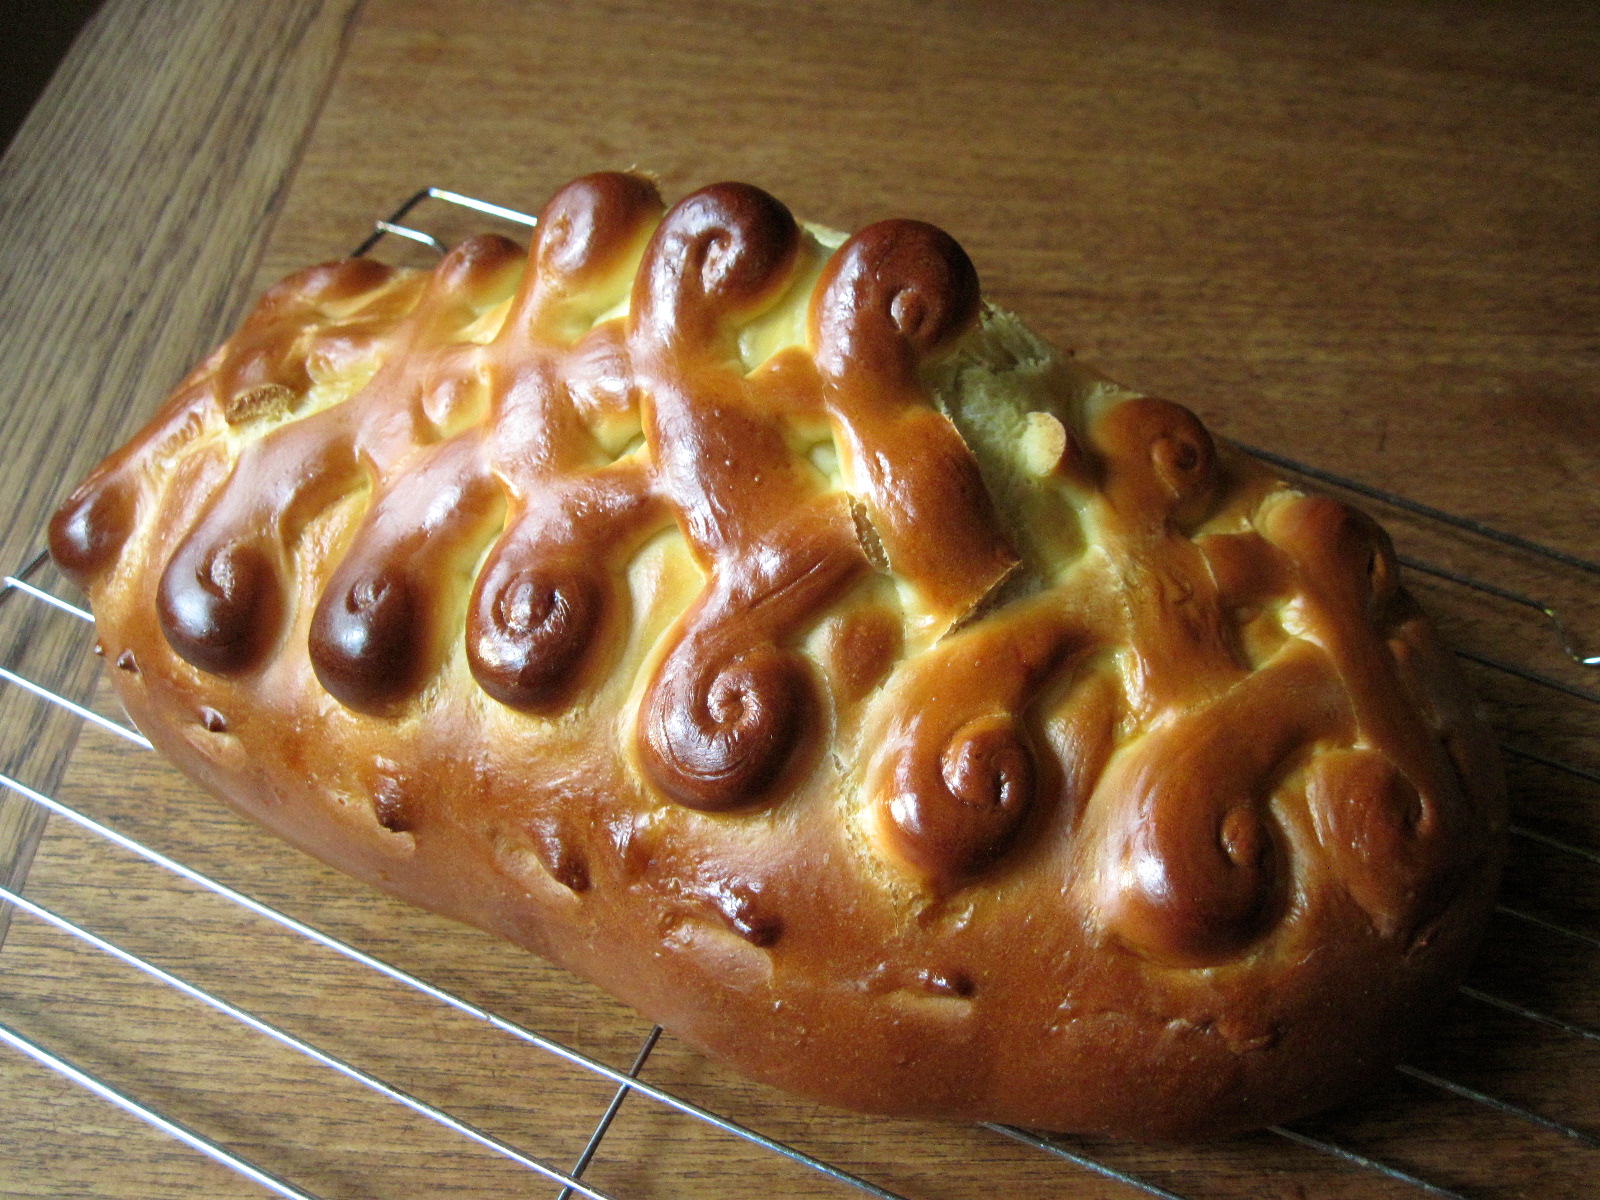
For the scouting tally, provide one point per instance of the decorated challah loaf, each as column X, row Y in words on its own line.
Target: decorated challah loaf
column 753, row 621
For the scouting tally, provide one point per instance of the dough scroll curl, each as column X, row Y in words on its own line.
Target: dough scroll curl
column 1197, row 864
column 544, row 598
column 223, row 598
column 718, row 258
column 380, row 631
column 88, row 531
column 960, row 770
column 531, row 627
column 313, row 317
column 731, row 708
column 721, row 726
column 954, row 819
column 893, row 297
column 722, row 721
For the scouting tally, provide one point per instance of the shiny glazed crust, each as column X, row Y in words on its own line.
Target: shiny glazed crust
column 769, row 631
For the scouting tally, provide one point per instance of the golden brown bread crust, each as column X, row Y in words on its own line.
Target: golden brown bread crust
column 902, row 714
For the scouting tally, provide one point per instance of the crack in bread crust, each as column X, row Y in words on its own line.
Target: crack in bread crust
column 911, row 717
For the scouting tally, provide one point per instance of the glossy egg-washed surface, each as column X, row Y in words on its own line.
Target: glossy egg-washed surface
column 762, row 627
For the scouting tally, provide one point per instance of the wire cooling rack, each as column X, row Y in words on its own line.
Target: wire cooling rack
column 1509, row 1089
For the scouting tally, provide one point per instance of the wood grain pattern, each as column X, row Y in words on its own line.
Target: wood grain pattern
column 146, row 176
column 148, row 173
column 1361, row 236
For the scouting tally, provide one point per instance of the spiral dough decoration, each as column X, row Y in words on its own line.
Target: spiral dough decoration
column 955, row 821
column 529, row 629
column 721, row 729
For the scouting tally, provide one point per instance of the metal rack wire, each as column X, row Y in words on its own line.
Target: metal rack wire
column 26, row 587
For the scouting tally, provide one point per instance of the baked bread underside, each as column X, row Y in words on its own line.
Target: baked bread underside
column 754, row 621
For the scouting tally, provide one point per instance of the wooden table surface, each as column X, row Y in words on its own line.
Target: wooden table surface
column 1364, row 236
